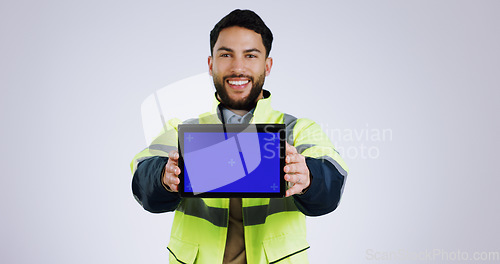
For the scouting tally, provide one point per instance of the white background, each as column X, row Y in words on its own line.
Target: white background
column 73, row 75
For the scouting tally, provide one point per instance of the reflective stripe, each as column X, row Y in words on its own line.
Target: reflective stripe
column 335, row 164
column 192, row 121
column 139, row 160
column 137, row 199
column 340, row 169
column 256, row 215
column 289, row 121
column 253, row 215
column 164, row 148
column 301, row 148
column 197, row 207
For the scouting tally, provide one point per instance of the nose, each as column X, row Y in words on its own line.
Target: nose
column 237, row 65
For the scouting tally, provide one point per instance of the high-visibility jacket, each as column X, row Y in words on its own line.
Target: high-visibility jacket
column 274, row 228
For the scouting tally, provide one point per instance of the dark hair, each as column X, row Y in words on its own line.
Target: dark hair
column 245, row 19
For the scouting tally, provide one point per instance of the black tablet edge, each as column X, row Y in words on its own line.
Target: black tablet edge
column 233, row 128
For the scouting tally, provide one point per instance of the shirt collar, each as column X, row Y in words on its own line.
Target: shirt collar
column 231, row 118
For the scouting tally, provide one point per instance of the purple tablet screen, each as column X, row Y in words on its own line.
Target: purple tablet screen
column 231, row 162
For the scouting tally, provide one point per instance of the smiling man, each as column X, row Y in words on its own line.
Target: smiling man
column 239, row 64
column 242, row 230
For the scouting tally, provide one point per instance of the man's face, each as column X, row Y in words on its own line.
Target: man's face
column 238, row 67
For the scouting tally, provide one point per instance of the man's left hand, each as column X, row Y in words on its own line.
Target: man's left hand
column 296, row 171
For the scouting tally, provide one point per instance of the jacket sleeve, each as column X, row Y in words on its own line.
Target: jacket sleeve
column 327, row 169
column 147, row 168
column 148, row 189
column 323, row 195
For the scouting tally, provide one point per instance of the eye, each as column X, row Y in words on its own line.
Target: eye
column 251, row 56
column 224, row 55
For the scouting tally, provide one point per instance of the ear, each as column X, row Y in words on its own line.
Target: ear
column 269, row 65
column 210, row 65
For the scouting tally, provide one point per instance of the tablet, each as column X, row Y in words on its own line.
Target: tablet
column 232, row 160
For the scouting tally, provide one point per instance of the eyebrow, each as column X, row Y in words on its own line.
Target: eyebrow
column 252, row 50
column 231, row 50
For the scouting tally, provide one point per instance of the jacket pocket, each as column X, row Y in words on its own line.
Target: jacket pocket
column 182, row 251
column 284, row 248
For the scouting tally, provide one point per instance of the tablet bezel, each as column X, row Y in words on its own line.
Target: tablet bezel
column 233, row 128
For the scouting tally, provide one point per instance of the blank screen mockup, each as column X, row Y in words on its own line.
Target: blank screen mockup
column 231, row 160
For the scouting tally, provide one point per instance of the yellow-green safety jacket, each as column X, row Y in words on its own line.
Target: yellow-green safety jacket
column 274, row 228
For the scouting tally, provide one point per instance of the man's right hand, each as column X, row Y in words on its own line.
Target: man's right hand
column 170, row 177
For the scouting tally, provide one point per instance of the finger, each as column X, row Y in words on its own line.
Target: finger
column 289, row 168
column 173, row 159
column 295, row 168
column 297, row 188
column 173, row 155
column 290, row 149
column 295, row 178
column 294, row 158
column 174, row 188
column 173, row 180
column 171, row 168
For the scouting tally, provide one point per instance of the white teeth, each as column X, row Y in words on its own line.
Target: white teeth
column 238, row 82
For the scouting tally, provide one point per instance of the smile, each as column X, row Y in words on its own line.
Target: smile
column 238, row 82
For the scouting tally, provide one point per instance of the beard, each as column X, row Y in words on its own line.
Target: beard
column 247, row 103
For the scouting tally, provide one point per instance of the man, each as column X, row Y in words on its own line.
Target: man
column 248, row 230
